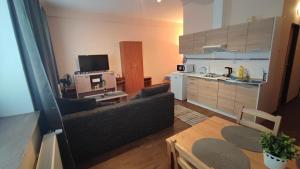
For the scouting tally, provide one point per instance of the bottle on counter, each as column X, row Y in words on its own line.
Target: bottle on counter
column 240, row 72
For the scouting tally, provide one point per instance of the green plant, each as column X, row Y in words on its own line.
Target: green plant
column 281, row 146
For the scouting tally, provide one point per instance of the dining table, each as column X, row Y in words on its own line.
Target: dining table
column 211, row 128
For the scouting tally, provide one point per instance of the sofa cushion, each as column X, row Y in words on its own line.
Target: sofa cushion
column 68, row 106
column 153, row 90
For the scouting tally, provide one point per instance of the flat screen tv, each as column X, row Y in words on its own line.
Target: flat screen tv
column 89, row 63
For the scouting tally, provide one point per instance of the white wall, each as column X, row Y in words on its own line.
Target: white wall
column 197, row 17
column 15, row 96
column 239, row 11
column 75, row 33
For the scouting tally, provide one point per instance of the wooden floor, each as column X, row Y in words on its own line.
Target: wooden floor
column 150, row 152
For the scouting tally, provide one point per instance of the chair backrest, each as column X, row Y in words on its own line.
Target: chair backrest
column 253, row 123
column 184, row 159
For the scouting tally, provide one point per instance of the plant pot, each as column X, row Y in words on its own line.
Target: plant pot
column 273, row 162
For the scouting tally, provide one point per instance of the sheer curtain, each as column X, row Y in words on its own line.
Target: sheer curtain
column 34, row 43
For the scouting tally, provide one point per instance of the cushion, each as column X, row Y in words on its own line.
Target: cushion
column 68, row 106
column 153, row 90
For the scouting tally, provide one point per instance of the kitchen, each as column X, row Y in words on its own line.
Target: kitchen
column 229, row 68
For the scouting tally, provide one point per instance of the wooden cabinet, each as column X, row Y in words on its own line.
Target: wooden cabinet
column 216, row 36
column 260, row 35
column 226, row 97
column 192, row 89
column 246, row 37
column 246, row 96
column 83, row 83
column 132, row 65
column 237, row 37
column 208, row 92
column 199, row 42
column 186, row 44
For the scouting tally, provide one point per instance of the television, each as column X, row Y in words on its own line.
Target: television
column 89, row 63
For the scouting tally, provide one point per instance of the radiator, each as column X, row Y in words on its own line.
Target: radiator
column 49, row 156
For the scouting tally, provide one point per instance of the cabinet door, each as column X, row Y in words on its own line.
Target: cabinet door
column 186, row 44
column 208, row 92
column 226, row 97
column 216, row 37
column 246, row 96
column 192, row 89
column 199, row 42
column 83, row 84
column 260, row 35
column 237, row 37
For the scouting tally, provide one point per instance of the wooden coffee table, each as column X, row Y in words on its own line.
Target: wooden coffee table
column 117, row 95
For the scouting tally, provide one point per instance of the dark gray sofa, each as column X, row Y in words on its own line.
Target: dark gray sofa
column 94, row 132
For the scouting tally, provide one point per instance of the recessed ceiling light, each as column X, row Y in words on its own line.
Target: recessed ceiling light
column 158, row 1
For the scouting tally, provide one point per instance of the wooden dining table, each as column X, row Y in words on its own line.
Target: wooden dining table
column 211, row 128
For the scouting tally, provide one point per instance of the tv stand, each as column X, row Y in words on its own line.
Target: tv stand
column 91, row 83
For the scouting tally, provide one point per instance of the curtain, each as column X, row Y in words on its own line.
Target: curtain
column 37, row 58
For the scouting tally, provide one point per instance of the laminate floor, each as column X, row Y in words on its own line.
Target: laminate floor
column 150, row 152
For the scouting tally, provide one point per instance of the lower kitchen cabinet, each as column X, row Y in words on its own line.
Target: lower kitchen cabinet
column 208, row 92
column 192, row 89
column 246, row 96
column 226, row 97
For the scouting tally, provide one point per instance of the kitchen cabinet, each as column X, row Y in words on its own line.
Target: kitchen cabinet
column 186, row 44
column 226, row 97
column 216, row 36
column 260, row 35
column 246, row 96
column 199, row 42
column 208, row 92
column 237, row 37
column 192, row 89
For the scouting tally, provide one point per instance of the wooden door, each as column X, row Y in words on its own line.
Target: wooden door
column 132, row 65
column 260, row 35
column 237, row 36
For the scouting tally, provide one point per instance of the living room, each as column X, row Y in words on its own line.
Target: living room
column 149, row 84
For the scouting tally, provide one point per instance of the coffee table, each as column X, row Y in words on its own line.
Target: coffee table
column 108, row 96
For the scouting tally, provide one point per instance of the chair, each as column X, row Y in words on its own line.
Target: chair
column 263, row 115
column 185, row 160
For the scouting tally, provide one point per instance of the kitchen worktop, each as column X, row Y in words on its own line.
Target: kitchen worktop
column 225, row 79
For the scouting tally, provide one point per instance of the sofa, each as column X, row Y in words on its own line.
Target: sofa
column 96, row 131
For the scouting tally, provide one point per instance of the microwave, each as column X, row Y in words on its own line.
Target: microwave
column 185, row 68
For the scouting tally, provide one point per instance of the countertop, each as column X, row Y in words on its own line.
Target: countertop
column 255, row 82
column 15, row 133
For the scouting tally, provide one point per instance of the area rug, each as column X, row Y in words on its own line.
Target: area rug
column 188, row 116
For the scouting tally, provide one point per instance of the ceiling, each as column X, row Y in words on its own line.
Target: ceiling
column 167, row 10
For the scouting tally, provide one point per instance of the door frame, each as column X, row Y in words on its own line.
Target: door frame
column 290, row 55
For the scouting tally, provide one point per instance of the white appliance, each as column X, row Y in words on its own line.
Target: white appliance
column 187, row 68
column 178, row 85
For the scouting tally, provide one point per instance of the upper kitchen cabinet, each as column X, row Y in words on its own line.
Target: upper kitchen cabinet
column 186, row 44
column 199, row 42
column 216, row 36
column 260, row 35
column 237, row 37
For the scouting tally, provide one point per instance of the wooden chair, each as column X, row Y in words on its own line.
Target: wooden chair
column 184, row 159
column 253, row 123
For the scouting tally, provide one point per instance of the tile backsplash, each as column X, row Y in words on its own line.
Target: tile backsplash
column 216, row 62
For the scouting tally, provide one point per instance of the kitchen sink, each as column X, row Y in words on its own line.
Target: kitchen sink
column 212, row 75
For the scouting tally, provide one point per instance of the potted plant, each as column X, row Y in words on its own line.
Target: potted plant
column 278, row 150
